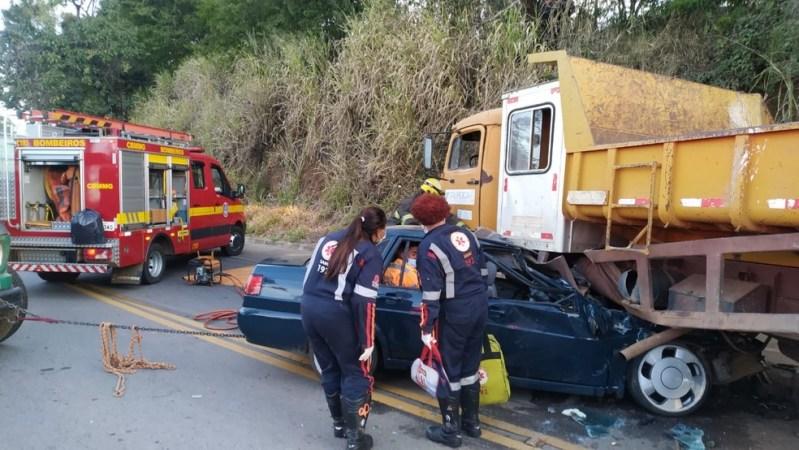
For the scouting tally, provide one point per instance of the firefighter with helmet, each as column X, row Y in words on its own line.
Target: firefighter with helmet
column 455, row 304
column 338, row 315
column 402, row 215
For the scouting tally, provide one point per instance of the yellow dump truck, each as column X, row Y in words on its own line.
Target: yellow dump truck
column 677, row 200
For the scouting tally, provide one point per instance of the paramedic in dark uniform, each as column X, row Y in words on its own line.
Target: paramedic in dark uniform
column 455, row 304
column 338, row 314
column 402, row 215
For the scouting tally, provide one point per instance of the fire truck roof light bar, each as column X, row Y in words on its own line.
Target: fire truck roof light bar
column 77, row 120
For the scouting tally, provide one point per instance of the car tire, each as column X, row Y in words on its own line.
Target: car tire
column 8, row 328
column 236, row 242
column 154, row 265
column 58, row 277
column 670, row 380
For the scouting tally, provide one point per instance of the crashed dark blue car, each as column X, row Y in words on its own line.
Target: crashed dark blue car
column 554, row 338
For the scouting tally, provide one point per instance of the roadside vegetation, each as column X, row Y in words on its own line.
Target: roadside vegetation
column 318, row 121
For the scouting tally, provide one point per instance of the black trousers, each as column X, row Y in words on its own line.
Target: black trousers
column 334, row 341
column 461, row 327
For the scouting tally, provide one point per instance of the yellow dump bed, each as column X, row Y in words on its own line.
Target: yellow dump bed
column 692, row 156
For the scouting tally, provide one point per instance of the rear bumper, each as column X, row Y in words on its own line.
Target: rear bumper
column 59, row 267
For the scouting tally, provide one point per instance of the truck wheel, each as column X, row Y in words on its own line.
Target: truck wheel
column 670, row 380
column 8, row 326
column 154, row 265
column 236, row 245
column 58, row 277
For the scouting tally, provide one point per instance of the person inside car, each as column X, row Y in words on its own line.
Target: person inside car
column 402, row 271
column 338, row 315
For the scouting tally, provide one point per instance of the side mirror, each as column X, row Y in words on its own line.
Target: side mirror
column 428, row 152
column 240, row 191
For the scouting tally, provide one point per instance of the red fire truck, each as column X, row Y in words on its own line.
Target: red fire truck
column 156, row 195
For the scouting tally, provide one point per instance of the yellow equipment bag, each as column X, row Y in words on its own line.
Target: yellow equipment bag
column 494, row 384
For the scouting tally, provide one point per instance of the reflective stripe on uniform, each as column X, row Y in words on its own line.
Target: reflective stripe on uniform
column 484, row 272
column 312, row 261
column 431, row 296
column 454, row 386
column 466, row 381
column 365, row 291
column 449, row 273
column 342, row 277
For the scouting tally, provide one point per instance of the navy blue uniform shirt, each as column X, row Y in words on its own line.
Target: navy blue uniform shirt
column 449, row 264
column 357, row 286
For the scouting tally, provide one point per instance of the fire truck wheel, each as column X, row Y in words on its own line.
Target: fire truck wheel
column 154, row 265
column 9, row 326
column 236, row 242
column 58, row 277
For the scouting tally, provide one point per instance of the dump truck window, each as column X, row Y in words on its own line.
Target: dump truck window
column 197, row 175
column 529, row 140
column 465, row 151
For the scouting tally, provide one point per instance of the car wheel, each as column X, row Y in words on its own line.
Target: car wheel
column 58, row 277
column 670, row 380
column 236, row 245
column 154, row 265
column 8, row 324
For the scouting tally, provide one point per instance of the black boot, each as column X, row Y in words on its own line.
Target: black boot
column 334, row 403
column 470, row 404
column 449, row 433
column 355, row 413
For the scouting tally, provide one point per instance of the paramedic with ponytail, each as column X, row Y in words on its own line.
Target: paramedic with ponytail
column 455, row 303
column 338, row 314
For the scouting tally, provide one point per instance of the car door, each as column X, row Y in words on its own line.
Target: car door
column 550, row 343
column 398, row 312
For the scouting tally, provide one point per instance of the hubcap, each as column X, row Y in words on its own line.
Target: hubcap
column 235, row 241
column 155, row 264
column 672, row 378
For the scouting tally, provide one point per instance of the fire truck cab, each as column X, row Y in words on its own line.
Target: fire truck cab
column 155, row 194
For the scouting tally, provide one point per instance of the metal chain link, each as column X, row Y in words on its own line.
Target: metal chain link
column 21, row 314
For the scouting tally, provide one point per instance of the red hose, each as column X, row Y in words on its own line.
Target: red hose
column 228, row 315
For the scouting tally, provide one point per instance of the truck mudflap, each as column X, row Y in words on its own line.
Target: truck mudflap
column 66, row 268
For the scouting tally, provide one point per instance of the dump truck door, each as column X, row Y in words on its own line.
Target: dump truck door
column 530, row 163
column 463, row 165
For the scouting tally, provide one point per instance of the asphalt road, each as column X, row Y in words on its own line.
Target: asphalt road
column 225, row 392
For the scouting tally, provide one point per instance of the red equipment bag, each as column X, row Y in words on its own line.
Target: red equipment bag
column 428, row 372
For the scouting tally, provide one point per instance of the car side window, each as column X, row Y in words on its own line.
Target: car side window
column 401, row 269
column 198, row 175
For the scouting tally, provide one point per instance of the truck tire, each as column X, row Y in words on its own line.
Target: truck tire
column 154, row 265
column 670, row 380
column 7, row 328
column 58, row 277
column 236, row 242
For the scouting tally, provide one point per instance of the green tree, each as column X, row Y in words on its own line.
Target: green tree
column 230, row 22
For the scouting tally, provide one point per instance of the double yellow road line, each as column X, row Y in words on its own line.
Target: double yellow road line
column 409, row 402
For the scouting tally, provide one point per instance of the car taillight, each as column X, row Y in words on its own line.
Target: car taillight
column 253, row 286
column 97, row 254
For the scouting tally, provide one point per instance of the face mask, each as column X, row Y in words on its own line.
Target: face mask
column 412, row 262
column 425, row 229
column 380, row 239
